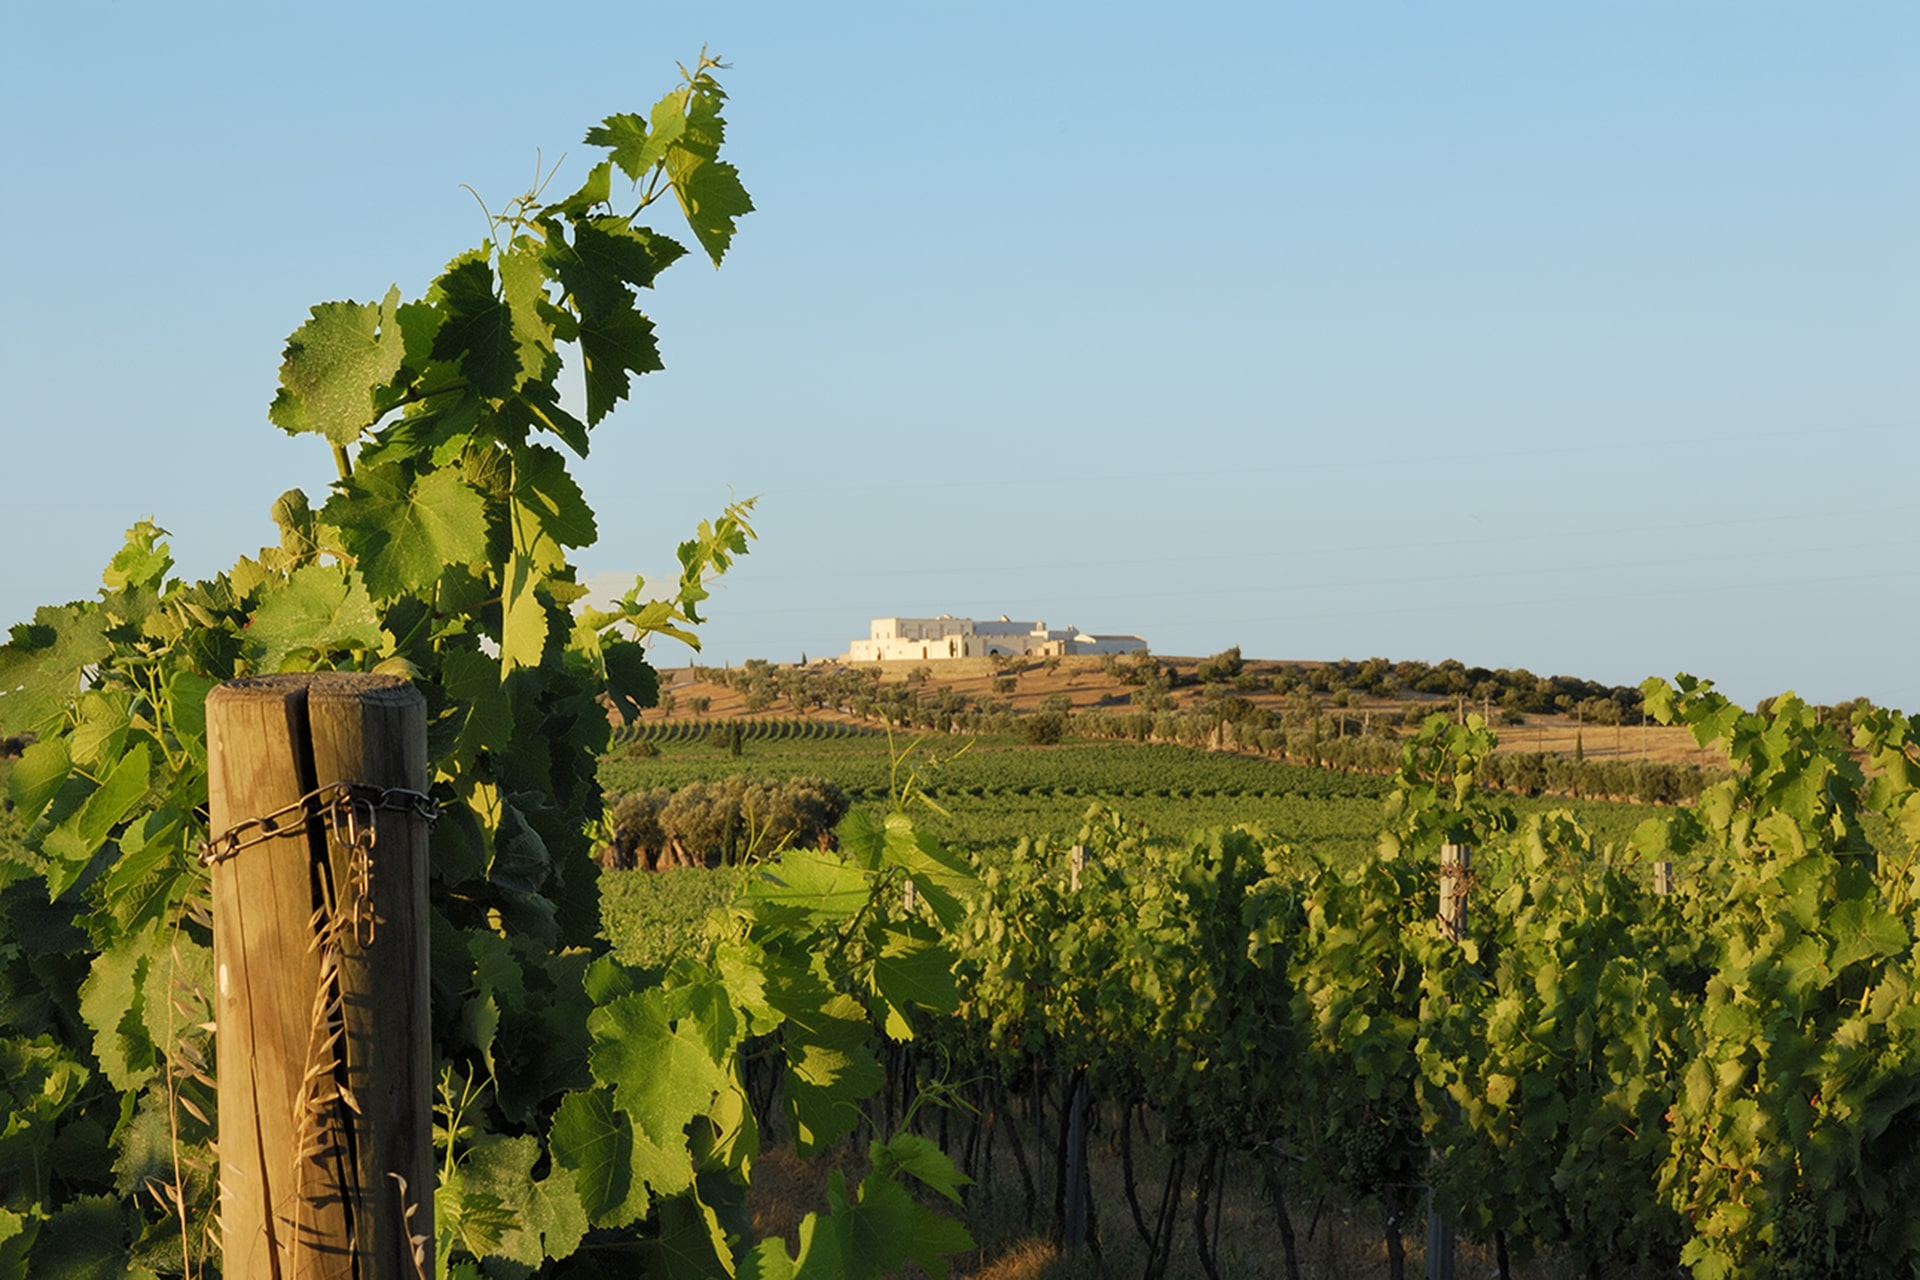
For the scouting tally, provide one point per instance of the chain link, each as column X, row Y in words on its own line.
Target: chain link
column 349, row 809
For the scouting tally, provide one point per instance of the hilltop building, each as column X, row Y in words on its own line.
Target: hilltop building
column 931, row 639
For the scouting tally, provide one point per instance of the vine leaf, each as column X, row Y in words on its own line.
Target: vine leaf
column 523, row 628
column 923, row 1159
column 596, row 191
column 404, row 531
column 550, row 512
column 111, row 1003
column 37, row 776
column 608, row 255
column 40, row 668
column 1865, row 930
column 708, row 188
column 523, row 282
column 478, row 332
column 483, row 714
column 913, row 971
column 830, row 1065
column 612, row 345
column 334, row 367
column 142, row 562
column 624, row 134
column 594, row 1139
column 662, row 1075
column 320, row 609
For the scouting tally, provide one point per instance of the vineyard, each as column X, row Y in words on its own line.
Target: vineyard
column 996, row 791
column 675, row 732
column 1715, row 1072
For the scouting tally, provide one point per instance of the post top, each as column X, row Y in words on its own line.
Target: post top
column 318, row 686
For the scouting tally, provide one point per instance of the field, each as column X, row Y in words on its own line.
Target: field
column 997, row 790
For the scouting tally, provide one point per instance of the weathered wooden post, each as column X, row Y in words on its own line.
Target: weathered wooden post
column 1455, row 866
column 1663, row 878
column 317, row 798
column 1074, row 1215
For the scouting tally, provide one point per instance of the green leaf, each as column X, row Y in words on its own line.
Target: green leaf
column 111, row 1002
column 944, row 879
column 40, row 669
column 830, row 1067
column 36, row 777
column 607, row 256
column 712, row 197
column 86, row 1240
column 769, row 1260
column 920, row 1157
column 18, row 1231
column 481, row 711
column 877, row 1232
column 494, row 1184
column 688, row 1246
column 523, row 283
column 322, row 609
column 1864, row 930
column 613, row 345
column 98, row 739
column 709, row 189
column 76, row 838
column 555, row 1215
column 632, row 683
column 625, row 135
column 549, row 510
column 187, row 704
column 537, row 407
column 595, row 1140
column 152, row 865
column 335, row 364
column 403, row 531
column 817, row 883
column 914, row 970
column 142, row 562
column 520, row 858
column 124, row 788
column 523, row 626
column 477, row 333
column 596, row 191
column 662, row 1075
column 1804, row 964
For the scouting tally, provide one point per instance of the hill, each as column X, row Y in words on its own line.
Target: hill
column 1325, row 700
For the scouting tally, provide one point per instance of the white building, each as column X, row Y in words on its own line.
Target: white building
column 930, row 639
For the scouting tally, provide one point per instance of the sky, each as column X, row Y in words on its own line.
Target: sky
column 1577, row 338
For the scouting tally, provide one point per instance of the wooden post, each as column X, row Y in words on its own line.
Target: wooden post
column 1455, row 864
column 1076, row 863
column 1075, row 1226
column 1663, row 878
column 1455, row 860
column 320, row 962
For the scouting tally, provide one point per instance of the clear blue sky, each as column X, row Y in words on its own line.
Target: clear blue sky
column 1580, row 338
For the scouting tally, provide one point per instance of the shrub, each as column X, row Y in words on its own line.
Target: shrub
column 1044, row 728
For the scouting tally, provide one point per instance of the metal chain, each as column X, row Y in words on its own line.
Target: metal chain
column 349, row 809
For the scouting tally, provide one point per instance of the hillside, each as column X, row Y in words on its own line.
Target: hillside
column 1556, row 715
